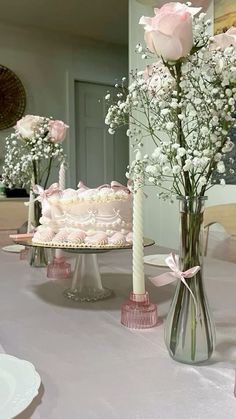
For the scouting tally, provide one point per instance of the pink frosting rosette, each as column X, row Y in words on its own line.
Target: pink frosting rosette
column 117, row 239
column 99, row 239
column 76, row 236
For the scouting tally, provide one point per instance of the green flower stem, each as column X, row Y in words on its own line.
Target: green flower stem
column 190, row 256
column 174, row 330
column 180, row 133
column 49, row 171
column 205, row 319
column 37, row 204
column 193, row 328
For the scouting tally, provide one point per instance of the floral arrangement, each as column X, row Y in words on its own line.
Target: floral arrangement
column 182, row 105
column 182, row 108
column 32, row 150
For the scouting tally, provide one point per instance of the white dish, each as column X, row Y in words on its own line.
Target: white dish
column 19, row 385
column 156, row 260
column 13, row 248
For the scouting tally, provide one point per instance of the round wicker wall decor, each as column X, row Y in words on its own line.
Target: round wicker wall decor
column 12, row 98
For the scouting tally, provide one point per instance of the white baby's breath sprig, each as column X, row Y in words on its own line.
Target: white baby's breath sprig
column 31, row 151
column 187, row 108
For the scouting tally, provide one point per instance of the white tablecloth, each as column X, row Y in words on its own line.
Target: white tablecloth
column 94, row 368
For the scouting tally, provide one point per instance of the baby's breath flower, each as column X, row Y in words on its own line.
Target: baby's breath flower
column 22, row 154
column 188, row 109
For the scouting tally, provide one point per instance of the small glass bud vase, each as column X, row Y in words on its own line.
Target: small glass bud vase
column 189, row 329
column 38, row 257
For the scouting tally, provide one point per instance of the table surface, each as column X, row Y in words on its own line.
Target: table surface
column 92, row 367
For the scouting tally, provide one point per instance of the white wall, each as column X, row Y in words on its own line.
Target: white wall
column 161, row 218
column 47, row 63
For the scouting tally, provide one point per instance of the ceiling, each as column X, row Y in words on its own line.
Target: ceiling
column 103, row 20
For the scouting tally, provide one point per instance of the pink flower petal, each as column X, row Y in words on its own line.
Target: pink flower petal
column 168, row 47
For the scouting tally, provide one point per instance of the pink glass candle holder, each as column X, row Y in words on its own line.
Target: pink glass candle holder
column 138, row 313
column 58, row 268
column 24, row 253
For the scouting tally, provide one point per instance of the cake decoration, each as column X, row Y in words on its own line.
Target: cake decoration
column 98, row 217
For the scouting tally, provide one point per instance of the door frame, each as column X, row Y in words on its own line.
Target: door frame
column 70, row 144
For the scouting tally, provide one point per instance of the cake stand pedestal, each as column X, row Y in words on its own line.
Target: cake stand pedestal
column 86, row 281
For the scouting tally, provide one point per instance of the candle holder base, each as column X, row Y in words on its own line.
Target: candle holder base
column 58, row 268
column 138, row 313
column 24, row 253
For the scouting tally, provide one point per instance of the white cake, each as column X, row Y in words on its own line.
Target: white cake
column 100, row 217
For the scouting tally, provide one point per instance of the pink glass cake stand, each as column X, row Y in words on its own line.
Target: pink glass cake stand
column 86, row 282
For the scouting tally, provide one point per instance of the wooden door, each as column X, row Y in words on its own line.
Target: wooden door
column 100, row 156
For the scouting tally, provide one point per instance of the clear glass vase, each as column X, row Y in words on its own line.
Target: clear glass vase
column 37, row 212
column 38, row 257
column 189, row 329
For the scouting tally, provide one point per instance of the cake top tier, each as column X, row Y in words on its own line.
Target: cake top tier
column 104, row 193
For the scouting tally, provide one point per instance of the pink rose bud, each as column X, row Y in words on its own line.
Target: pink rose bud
column 57, row 131
column 169, row 33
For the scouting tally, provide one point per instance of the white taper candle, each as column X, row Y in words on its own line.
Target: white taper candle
column 62, row 185
column 62, row 177
column 30, row 211
column 138, row 266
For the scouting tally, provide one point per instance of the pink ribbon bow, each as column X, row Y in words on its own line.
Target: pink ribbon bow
column 105, row 185
column 114, row 185
column 118, row 185
column 81, row 185
column 169, row 277
column 44, row 193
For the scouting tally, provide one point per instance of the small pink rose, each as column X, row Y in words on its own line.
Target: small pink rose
column 169, row 33
column 27, row 125
column 224, row 40
column 57, row 131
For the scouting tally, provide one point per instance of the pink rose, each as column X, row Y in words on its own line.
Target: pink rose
column 169, row 33
column 27, row 125
column 57, row 131
column 224, row 40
